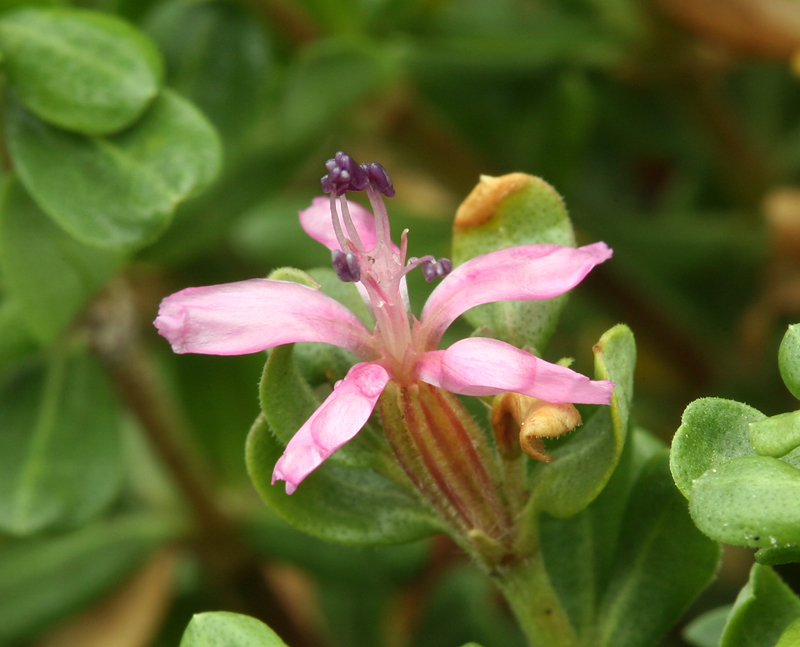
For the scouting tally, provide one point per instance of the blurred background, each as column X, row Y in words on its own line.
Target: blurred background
column 670, row 127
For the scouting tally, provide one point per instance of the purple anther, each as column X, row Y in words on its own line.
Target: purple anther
column 443, row 267
column 379, row 178
column 343, row 175
column 434, row 269
column 346, row 266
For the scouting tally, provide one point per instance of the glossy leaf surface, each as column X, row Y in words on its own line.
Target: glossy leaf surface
column 217, row 55
column 44, row 579
column 226, row 629
column 85, row 71
column 49, row 274
column 119, row 190
column 60, row 450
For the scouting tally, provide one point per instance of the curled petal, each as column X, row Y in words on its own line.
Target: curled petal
column 337, row 420
column 250, row 316
column 524, row 272
column 316, row 221
column 480, row 366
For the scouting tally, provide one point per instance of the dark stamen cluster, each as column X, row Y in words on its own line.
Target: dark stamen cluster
column 379, row 178
column 439, row 268
column 343, row 175
column 346, row 266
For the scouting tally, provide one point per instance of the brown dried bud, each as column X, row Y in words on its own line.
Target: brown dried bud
column 532, row 419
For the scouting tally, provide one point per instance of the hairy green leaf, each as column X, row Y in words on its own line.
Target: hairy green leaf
column 586, row 461
column 647, row 593
column 712, row 432
column 763, row 610
column 749, row 501
column 348, row 506
column 530, row 211
column 226, row 629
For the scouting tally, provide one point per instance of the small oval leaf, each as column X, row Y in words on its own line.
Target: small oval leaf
column 119, row 190
column 789, row 359
column 515, row 209
column 750, row 501
column 226, row 629
column 712, row 432
column 81, row 70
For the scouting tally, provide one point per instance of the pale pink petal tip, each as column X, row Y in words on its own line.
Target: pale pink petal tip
column 336, row 421
column 171, row 324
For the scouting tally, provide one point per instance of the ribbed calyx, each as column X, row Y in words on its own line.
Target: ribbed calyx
column 448, row 458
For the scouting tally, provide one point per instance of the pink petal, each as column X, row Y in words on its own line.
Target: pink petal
column 524, row 272
column 250, row 316
column 316, row 221
column 481, row 366
column 337, row 420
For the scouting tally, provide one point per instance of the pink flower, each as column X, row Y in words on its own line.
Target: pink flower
column 258, row 314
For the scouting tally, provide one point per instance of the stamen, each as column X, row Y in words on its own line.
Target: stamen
column 346, row 266
column 379, row 178
column 437, row 268
column 343, row 175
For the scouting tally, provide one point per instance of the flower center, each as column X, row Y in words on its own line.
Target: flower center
column 381, row 270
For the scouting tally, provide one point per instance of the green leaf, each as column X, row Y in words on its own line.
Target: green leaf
column 586, row 461
column 217, row 56
column 226, row 629
column 16, row 341
column 763, row 610
column 346, row 506
column 776, row 436
column 706, row 630
column 49, row 274
column 353, row 566
column 60, row 449
column 749, row 501
column 45, row 579
column 789, row 359
column 118, row 190
column 579, row 550
column 775, row 556
column 81, row 70
column 647, row 593
column 790, row 637
column 343, row 70
column 712, row 432
column 528, row 211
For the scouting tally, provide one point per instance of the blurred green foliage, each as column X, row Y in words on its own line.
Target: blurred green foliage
column 201, row 127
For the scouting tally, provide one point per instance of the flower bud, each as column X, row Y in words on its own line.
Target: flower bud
column 533, row 419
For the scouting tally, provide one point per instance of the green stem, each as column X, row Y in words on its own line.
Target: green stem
column 529, row 592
